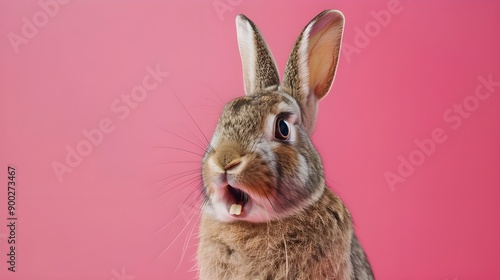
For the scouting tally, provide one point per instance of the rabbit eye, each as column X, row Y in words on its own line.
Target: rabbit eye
column 282, row 129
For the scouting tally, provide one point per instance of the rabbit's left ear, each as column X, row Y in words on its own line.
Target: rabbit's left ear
column 311, row 66
column 259, row 69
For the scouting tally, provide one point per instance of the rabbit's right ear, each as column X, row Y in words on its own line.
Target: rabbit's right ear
column 259, row 68
column 311, row 66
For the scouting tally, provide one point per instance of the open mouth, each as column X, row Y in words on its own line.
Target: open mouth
column 239, row 200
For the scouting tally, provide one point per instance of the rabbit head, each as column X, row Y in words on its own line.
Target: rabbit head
column 261, row 165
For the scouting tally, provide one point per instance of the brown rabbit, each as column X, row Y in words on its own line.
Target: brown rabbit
column 268, row 213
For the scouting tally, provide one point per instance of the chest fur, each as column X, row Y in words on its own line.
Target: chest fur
column 313, row 245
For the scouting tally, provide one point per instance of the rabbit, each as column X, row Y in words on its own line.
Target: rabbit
column 267, row 211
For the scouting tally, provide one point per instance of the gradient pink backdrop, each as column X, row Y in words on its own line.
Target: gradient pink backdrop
column 108, row 218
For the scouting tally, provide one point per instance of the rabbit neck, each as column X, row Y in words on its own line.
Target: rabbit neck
column 312, row 244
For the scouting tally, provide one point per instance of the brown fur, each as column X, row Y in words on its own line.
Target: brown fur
column 300, row 229
column 313, row 245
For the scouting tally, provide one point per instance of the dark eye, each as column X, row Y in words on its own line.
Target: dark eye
column 282, row 129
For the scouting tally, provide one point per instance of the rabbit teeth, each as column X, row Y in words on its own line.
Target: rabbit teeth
column 235, row 209
column 238, row 199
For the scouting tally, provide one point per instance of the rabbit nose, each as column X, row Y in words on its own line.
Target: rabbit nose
column 228, row 156
column 232, row 164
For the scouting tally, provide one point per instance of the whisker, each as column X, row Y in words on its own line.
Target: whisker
column 169, row 223
column 217, row 106
column 202, row 148
column 177, row 174
column 178, row 149
column 176, row 177
column 175, row 239
column 178, row 162
column 215, row 93
column 190, row 206
column 204, row 203
column 271, row 203
column 178, row 214
column 193, row 202
column 185, row 183
column 200, row 141
column 184, row 248
column 192, row 119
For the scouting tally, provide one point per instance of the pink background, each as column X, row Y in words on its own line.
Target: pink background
column 119, row 214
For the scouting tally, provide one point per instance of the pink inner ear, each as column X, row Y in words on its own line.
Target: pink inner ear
column 325, row 21
column 323, row 49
